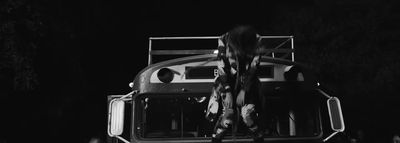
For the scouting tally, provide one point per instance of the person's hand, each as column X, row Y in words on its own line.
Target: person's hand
column 254, row 65
column 255, row 62
column 240, row 98
column 228, row 100
column 212, row 108
column 227, row 118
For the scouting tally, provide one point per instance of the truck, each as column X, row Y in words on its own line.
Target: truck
column 169, row 97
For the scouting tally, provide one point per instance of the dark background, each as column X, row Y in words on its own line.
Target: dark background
column 60, row 59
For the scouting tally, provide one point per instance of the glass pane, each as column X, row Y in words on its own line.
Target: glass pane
column 291, row 117
column 172, row 117
column 183, row 116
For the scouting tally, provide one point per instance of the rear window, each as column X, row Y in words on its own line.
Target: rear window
column 183, row 116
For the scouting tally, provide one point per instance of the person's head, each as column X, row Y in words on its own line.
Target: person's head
column 243, row 41
column 293, row 73
column 396, row 138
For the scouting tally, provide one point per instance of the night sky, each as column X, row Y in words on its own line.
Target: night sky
column 60, row 59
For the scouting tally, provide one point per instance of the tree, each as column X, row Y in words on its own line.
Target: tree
column 20, row 32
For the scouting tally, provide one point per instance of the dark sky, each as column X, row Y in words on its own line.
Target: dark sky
column 89, row 49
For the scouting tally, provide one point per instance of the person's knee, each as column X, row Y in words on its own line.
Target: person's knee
column 227, row 118
column 219, row 133
column 248, row 114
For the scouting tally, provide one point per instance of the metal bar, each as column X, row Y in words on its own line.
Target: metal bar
column 285, row 56
column 181, row 52
column 330, row 136
column 129, row 95
column 268, row 51
column 208, row 37
column 323, row 93
column 292, row 41
column 183, row 38
column 292, row 123
column 150, row 57
column 280, row 45
column 122, row 139
column 181, row 121
column 190, row 52
column 272, row 37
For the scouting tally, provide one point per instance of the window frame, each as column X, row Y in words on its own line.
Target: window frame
column 138, row 136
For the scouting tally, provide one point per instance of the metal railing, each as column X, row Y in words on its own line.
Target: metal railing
column 267, row 51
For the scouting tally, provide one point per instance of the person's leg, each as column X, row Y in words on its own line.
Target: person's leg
column 223, row 124
column 219, row 132
column 213, row 106
column 250, row 119
column 225, row 120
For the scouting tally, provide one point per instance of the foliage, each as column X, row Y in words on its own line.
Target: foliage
column 350, row 45
column 20, row 32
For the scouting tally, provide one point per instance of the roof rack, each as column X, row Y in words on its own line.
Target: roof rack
column 278, row 50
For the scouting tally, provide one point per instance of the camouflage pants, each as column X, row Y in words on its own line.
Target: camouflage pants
column 230, row 108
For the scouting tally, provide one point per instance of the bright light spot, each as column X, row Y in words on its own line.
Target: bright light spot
column 287, row 68
column 131, row 84
column 318, row 84
column 216, row 52
column 300, row 77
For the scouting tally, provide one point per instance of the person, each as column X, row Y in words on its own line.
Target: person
column 396, row 138
column 237, row 86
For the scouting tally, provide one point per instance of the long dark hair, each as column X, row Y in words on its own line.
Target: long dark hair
column 243, row 40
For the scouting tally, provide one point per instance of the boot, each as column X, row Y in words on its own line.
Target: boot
column 216, row 140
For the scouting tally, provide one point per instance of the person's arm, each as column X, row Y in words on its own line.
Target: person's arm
column 224, row 67
column 213, row 105
column 254, row 65
column 251, row 73
column 221, row 82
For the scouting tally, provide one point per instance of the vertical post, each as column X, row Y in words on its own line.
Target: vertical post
column 150, row 56
column 278, row 126
column 182, row 119
column 292, row 42
column 292, row 123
